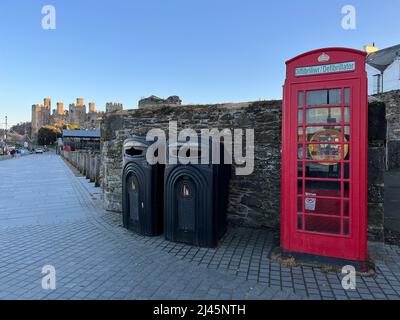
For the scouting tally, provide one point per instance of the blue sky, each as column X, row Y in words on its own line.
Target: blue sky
column 205, row 51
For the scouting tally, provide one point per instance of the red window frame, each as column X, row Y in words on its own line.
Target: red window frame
column 351, row 245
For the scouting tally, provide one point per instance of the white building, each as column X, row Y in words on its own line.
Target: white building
column 383, row 68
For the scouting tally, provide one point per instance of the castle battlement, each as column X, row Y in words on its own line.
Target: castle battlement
column 77, row 114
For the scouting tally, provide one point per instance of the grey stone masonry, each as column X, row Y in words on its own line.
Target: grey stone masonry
column 376, row 170
column 254, row 200
column 392, row 102
column 87, row 162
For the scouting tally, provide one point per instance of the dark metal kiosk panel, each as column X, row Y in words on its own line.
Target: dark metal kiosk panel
column 324, row 154
column 143, row 188
column 195, row 202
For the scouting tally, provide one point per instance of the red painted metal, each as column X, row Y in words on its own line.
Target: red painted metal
column 337, row 224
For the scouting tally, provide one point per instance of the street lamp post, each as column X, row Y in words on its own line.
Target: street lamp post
column 5, row 133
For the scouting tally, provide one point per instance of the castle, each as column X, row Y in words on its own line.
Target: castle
column 77, row 115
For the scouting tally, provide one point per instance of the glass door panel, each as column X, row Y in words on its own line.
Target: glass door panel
column 324, row 133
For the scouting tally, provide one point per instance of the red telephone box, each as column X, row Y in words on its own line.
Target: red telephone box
column 324, row 154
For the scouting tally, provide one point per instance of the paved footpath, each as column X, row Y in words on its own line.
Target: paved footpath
column 49, row 216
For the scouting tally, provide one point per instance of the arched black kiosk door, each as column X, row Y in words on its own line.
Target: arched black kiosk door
column 134, row 199
column 186, row 204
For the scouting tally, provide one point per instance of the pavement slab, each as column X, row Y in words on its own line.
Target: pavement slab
column 51, row 216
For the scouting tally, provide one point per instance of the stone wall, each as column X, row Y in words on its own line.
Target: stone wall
column 376, row 169
column 254, row 200
column 156, row 102
column 87, row 162
column 392, row 101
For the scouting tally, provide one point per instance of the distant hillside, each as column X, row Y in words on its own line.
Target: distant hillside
column 22, row 128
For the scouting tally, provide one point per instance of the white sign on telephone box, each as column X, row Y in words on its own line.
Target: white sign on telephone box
column 311, row 202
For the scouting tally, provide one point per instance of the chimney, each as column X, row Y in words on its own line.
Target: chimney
column 60, row 108
column 370, row 48
column 91, row 107
column 79, row 101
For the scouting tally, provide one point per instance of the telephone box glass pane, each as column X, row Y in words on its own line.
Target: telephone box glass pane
column 323, row 115
column 324, row 153
column 329, row 207
column 300, row 117
column 318, row 170
column 323, row 97
column 300, row 204
column 346, row 208
column 324, row 170
column 300, row 135
column 299, row 186
column 347, row 133
column 346, row 190
column 347, row 96
column 300, row 170
column 299, row 222
column 327, row 134
column 317, row 98
column 347, row 114
column 300, row 99
column 346, row 171
column 326, row 188
column 346, row 227
column 323, row 188
column 335, row 96
column 330, row 225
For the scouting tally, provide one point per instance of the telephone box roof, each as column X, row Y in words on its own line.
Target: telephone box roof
column 326, row 50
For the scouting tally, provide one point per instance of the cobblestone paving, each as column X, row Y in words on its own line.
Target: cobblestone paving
column 50, row 216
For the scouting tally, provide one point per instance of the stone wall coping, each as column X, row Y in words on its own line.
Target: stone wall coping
column 189, row 107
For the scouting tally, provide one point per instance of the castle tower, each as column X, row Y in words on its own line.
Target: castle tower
column 47, row 103
column 79, row 101
column 91, row 107
column 77, row 113
column 60, row 108
column 40, row 117
column 35, row 117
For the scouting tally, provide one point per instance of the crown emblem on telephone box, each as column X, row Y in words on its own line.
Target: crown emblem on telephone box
column 324, row 58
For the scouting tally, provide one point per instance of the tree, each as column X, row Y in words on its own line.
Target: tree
column 47, row 135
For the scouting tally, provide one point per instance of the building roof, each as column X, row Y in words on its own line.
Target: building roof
column 81, row 134
column 383, row 58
